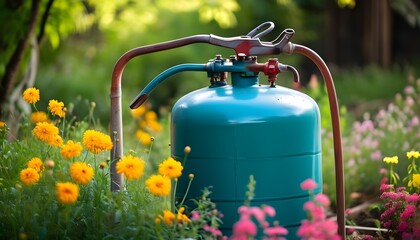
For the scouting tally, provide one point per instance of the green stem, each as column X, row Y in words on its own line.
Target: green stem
column 186, row 193
column 174, row 182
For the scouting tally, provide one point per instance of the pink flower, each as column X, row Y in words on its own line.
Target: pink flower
column 385, row 187
column 412, row 198
column 276, row 230
column 410, row 210
column 322, row 199
column 383, row 171
column 195, row 215
column 212, row 230
column 259, row 215
column 308, row 184
column 403, row 227
column 269, row 210
column 244, row 227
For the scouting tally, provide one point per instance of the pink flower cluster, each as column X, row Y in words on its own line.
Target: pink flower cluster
column 317, row 227
column 246, row 228
column 400, row 212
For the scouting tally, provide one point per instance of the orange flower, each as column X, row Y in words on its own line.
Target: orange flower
column 29, row 176
column 71, row 149
column 96, row 141
column 143, row 137
column 67, row 192
column 159, row 185
column 81, row 173
column 170, row 168
column 36, row 163
column 56, row 108
column 131, row 167
column 40, row 116
column 45, row 132
column 31, row 95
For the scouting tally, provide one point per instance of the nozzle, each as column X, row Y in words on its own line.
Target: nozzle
column 138, row 101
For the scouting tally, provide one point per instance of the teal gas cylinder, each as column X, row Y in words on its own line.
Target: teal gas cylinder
column 243, row 129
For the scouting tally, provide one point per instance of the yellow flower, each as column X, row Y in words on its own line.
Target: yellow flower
column 391, row 160
column 150, row 115
column 159, row 185
column 31, row 95
column 71, row 149
column 40, row 116
column 415, row 182
column 56, row 141
column 143, row 137
column 56, row 108
column 102, row 165
column 131, row 167
column 67, row 192
column 154, row 125
column 36, row 163
column 138, row 112
column 45, row 132
column 96, row 141
column 181, row 217
column 168, row 217
column 2, row 124
column 413, row 154
column 29, row 176
column 170, row 168
column 81, row 173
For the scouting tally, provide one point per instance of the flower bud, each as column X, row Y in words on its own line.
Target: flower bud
column 49, row 163
column 187, row 149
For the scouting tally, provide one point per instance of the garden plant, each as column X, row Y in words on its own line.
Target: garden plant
column 55, row 181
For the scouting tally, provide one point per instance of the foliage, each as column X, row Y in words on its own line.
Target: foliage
column 32, row 166
column 367, row 141
column 399, row 201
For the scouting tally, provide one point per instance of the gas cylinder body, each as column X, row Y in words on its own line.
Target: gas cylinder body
column 243, row 129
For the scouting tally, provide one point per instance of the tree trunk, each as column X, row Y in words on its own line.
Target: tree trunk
column 12, row 67
column 377, row 33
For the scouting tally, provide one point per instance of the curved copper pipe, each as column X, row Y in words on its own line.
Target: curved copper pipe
column 335, row 116
column 116, row 113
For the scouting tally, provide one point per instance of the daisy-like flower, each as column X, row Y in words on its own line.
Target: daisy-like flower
column 159, row 185
column 36, row 163
column 170, row 168
column 29, row 176
column 96, row 142
column 144, row 138
column 31, row 95
column 67, row 192
column 45, row 132
column 39, row 116
column 131, row 167
column 56, row 141
column 71, row 149
column 56, row 108
column 81, row 173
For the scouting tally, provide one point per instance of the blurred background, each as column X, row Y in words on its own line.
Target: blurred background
column 68, row 49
